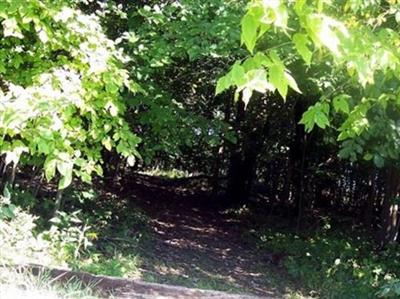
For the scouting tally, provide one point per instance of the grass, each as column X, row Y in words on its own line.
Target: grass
column 16, row 284
column 118, row 265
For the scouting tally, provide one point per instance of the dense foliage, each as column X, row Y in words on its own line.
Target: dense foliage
column 60, row 90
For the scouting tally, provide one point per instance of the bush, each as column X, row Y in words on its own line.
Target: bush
column 68, row 239
column 21, row 244
column 18, row 244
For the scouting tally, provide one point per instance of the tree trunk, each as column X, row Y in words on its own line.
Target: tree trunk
column 236, row 186
column 297, row 161
column 369, row 205
column 216, row 170
column 38, row 186
column 251, row 127
column 12, row 176
column 58, row 202
column 388, row 232
column 220, row 151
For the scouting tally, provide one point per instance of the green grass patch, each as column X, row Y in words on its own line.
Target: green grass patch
column 118, row 265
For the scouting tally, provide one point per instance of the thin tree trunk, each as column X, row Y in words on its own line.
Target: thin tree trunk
column 297, row 160
column 300, row 203
column 117, row 174
column 388, row 232
column 369, row 206
column 38, row 186
column 12, row 175
column 251, row 128
column 3, row 167
column 216, row 171
column 58, row 201
column 236, row 184
column 221, row 150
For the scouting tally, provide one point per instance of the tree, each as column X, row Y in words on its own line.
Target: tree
column 60, row 91
column 358, row 89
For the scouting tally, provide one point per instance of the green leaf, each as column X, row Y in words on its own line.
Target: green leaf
column 223, row 84
column 107, row 143
column 321, row 119
column 379, row 161
column 343, row 135
column 238, row 74
column 308, row 119
column 249, row 31
column 299, row 6
column 50, row 167
column 278, row 79
column 368, row 157
column 300, row 42
column 315, row 115
column 112, row 88
column 43, row 147
column 292, row 82
column 340, row 104
column 7, row 193
column 7, row 212
column 65, row 181
column 64, row 167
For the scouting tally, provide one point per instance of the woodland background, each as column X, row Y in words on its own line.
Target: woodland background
column 283, row 113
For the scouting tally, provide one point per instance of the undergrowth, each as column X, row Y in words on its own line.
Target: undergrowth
column 333, row 264
column 97, row 233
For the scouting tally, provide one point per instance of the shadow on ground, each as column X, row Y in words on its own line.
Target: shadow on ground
column 196, row 244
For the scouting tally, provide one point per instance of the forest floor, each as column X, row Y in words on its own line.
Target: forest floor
column 196, row 242
column 174, row 233
column 166, row 234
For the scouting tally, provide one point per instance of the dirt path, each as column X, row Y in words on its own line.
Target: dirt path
column 196, row 244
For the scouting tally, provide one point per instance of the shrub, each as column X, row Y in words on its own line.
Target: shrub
column 18, row 244
column 68, row 236
column 21, row 244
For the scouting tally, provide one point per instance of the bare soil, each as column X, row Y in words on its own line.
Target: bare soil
column 196, row 243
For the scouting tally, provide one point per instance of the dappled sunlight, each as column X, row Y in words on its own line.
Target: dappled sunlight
column 197, row 245
column 205, row 230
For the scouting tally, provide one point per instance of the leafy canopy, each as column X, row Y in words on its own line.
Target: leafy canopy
column 60, row 84
column 344, row 52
